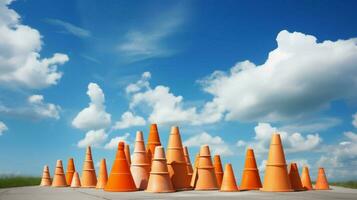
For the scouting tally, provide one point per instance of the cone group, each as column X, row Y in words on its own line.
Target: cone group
column 229, row 183
column 46, row 178
column 305, row 178
column 140, row 165
column 294, row 177
column 206, row 177
column 59, row 179
column 250, row 177
column 103, row 175
column 218, row 169
column 321, row 181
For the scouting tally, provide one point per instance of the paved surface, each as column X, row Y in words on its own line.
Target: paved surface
column 48, row 193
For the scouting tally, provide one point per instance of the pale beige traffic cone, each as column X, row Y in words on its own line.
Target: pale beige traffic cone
column 140, row 165
column 89, row 178
column 46, row 178
column 206, row 179
column 103, row 175
column 76, row 182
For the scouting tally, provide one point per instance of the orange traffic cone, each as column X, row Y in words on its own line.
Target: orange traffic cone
column 59, row 179
column 75, row 181
column 46, row 178
column 120, row 178
column 206, row 178
column 103, row 175
column 229, row 183
column 194, row 173
column 70, row 171
column 250, row 177
column 305, row 178
column 140, row 165
column 321, row 181
column 89, row 178
column 294, row 177
column 188, row 162
column 276, row 177
column 127, row 154
column 176, row 161
column 153, row 141
column 218, row 169
column 159, row 179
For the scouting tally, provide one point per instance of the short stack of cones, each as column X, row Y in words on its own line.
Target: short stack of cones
column 59, row 179
column 153, row 141
column 159, row 179
column 76, row 182
column 89, row 178
column 140, row 165
column 276, row 177
column 294, row 177
column 127, row 154
column 218, row 169
column 250, row 177
column 70, row 171
column 305, row 178
column 229, row 183
column 321, row 181
column 103, row 175
column 176, row 161
column 120, row 178
column 188, row 162
column 206, row 178
column 46, row 178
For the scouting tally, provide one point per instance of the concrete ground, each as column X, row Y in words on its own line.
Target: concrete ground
column 48, row 193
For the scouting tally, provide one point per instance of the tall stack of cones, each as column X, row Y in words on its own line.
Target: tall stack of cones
column 59, row 179
column 229, row 183
column 176, row 161
column 218, row 169
column 188, row 162
column 70, row 171
column 206, row 178
column 103, row 175
column 250, row 177
column 294, row 177
column 321, row 181
column 127, row 154
column 89, row 178
column 120, row 178
column 153, row 141
column 159, row 179
column 46, row 178
column 75, row 183
column 276, row 177
column 194, row 173
column 140, row 165
column 305, row 178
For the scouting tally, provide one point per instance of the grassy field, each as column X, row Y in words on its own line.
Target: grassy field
column 17, row 181
column 347, row 184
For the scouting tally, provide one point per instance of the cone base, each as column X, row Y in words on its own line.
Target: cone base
column 229, row 190
column 206, row 189
column 166, row 191
column 246, row 189
column 278, row 190
column 126, row 190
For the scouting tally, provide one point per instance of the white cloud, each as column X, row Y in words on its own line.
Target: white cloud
column 354, row 122
column 299, row 77
column 3, row 128
column 113, row 143
column 314, row 125
column 94, row 138
column 93, row 117
column 20, row 61
column 70, row 28
column 262, row 166
column 128, row 119
column 42, row 109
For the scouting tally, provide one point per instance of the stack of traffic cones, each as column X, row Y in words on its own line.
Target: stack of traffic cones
column 127, row 154
column 70, row 171
column 140, row 165
column 46, row 178
column 59, row 179
column 188, row 162
column 159, row 179
column 321, row 181
column 89, row 178
column 229, row 183
column 294, row 177
column 153, row 141
column 120, row 178
column 305, row 178
column 218, row 169
column 75, row 181
column 250, row 177
column 194, row 173
column 103, row 175
column 176, row 161
column 276, row 177
column 206, row 178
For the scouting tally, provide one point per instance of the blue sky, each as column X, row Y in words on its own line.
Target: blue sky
column 229, row 74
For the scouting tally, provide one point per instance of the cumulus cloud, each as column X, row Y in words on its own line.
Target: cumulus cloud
column 113, row 143
column 42, row 109
column 93, row 117
column 3, row 128
column 128, row 119
column 20, row 62
column 354, row 122
column 94, row 138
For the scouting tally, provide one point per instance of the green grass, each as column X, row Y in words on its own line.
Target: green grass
column 18, row 181
column 347, row 184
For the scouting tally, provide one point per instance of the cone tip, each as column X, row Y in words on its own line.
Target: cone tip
column 205, row 151
column 121, row 145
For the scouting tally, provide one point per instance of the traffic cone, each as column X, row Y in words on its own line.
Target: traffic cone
column 76, row 182
column 305, row 178
column 321, row 181
column 127, row 154
column 89, row 178
column 70, row 171
column 103, row 175
column 194, row 173
column 188, row 162
column 250, row 177
column 153, row 141
column 229, row 183
column 120, row 178
column 294, row 177
column 59, row 179
column 206, row 178
column 276, row 177
column 159, row 179
column 176, row 161
column 140, row 165
column 218, row 169
column 46, row 178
